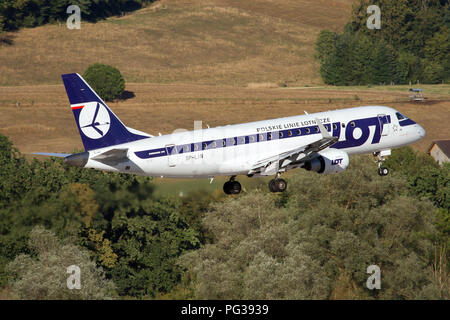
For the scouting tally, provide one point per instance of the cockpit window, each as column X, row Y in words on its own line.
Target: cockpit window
column 400, row 116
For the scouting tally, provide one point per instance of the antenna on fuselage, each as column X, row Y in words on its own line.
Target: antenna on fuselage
column 306, row 112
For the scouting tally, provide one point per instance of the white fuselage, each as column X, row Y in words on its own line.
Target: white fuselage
column 233, row 149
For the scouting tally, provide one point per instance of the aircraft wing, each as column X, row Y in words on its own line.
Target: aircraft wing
column 112, row 157
column 272, row 165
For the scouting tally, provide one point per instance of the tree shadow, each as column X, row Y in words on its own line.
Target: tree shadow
column 6, row 38
column 126, row 95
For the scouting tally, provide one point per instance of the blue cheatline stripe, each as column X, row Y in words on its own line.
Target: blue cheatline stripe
column 406, row 122
column 233, row 141
column 349, row 141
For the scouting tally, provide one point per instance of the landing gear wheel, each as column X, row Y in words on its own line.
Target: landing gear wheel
column 272, row 187
column 232, row 187
column 277, row 185
column 227, row 187
column 383, row 171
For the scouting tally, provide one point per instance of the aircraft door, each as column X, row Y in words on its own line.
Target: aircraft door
column 171, row 155
column 384, row 124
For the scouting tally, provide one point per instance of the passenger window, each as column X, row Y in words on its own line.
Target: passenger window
column 307, row 130
column 290, row 133
column 261, row 137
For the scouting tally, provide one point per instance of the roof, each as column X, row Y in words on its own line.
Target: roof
column 444, row 145
column 415, row 90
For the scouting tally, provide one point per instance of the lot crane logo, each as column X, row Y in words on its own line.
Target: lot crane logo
column 94, row 120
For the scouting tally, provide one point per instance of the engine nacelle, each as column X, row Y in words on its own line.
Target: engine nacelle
column 328, row 161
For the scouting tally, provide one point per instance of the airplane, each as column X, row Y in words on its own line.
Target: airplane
column 320, row 142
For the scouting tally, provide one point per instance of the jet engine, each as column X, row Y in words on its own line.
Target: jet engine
column 328, row 161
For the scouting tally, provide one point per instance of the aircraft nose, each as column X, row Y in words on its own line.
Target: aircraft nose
column 421, row 131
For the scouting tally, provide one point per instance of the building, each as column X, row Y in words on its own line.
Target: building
column 440, row 151
column 416, row 94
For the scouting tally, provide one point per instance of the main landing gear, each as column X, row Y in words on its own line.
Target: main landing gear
column 277, row 184
column 382, row 171
column 232, row 186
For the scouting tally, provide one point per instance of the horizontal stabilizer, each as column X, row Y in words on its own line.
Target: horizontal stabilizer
column 58, row 155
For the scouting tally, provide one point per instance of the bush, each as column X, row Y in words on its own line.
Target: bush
column 105, row 80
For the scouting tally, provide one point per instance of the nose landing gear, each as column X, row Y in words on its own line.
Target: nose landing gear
column 232, row 186
column 382, row 171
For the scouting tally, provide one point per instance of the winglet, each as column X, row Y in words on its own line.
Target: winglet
column 323, row 131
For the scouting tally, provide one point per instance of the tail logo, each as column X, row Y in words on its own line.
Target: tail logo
column 94, row 120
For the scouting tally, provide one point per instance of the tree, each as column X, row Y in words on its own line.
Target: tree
column 43, row 275
column 325, row 44
column 411, row 45
column 105, row 80
column 433, row 72
column 148, row 237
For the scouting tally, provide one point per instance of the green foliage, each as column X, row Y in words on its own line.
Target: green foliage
column 325, row 44
column 134, row 237
column 194, row 208
column 358, row 59
column 43, row 274
column 425, row 177
column 148, row 237
column 105, row 80
column 411, row 45
column 314, row 241
column 321, row 242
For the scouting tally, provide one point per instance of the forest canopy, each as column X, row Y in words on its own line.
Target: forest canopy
column 31, row 13
column 411, row 45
